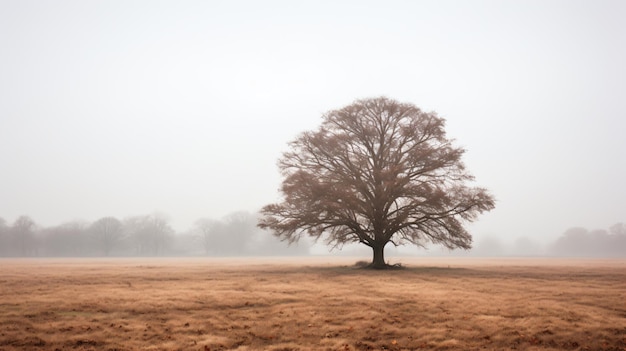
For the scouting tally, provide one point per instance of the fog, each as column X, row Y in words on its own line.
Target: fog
column 170, row 116
column 237, row 235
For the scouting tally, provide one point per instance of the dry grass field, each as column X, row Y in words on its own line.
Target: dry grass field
column 312, row 304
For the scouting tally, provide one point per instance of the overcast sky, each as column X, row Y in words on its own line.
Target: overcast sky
column 120, row 108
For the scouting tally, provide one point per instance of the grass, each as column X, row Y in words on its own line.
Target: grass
column 312, row 304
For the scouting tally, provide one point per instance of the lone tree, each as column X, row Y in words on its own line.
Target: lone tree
column 376, row 172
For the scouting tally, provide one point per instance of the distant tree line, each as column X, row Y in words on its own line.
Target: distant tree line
column 600, row 242
column 145, row 235
column 574, row 242
column 238, row 235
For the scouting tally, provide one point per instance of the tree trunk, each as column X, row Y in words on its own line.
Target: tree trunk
column 378, row 261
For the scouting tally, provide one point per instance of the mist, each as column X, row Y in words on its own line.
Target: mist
column 143, row 236
column 237, row 235
column 169, row 117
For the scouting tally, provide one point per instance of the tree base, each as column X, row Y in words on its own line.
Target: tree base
column 366, row 265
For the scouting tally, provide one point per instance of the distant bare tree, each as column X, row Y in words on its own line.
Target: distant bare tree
column 4, row 237
column 23, row 231
column 161, row 233
column 235, row 233
column 67, row 239
column 137, row 234
column 375, row 172
column 574, row 242
column 150, row 233
column 107, row 233
column 618, row 239
column 600, row 242
column 207, row 233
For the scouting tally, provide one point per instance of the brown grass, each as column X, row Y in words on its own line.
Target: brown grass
column 312, row 304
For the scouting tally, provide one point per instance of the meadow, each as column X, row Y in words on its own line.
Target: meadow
column 322, row 303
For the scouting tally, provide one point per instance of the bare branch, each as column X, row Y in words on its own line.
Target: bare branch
column 376, row 172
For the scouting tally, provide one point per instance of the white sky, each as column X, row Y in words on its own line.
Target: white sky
column 119, row 108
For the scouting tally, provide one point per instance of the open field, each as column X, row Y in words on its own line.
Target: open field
column 312, row 304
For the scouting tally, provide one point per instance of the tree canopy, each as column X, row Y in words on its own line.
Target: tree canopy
column 376, row 172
